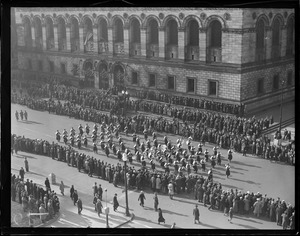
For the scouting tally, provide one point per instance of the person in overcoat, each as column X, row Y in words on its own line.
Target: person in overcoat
column 75, row 197
column 99, row 207
column 62, row 188
column 196, row 214
column 142, row 198
column 115, row 202
column 160, row 216
column 26, row 164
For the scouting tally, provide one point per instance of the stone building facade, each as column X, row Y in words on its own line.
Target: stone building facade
column 232, row 55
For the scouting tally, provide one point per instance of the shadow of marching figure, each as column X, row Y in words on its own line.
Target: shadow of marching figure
column 30, row 122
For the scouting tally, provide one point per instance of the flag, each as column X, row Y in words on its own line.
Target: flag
column 88, row 36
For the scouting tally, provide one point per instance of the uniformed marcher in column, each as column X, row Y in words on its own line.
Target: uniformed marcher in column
column 229, row 155
column 227, row 170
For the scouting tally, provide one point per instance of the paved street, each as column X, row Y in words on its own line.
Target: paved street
column 248, row 174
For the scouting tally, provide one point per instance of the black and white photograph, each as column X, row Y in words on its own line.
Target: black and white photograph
column 152, row 118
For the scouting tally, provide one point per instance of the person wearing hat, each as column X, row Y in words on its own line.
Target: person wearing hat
column 196, row 214
column 115, row 202
column 142, row 198
column 99, row 207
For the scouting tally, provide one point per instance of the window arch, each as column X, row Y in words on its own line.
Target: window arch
column 27, row 32
column 61, row 33
column 172, row 32
column 118, row 31
column 290, row 37
column 215, row 34
column 192, row 33
column 276, row 38
column 38, row 33
column 88, row 40
column 260, row 40
column 102, row 30
column 74, row 34
column 135, row 32
column 49, row 33
column 152, row 31
column 214, row 41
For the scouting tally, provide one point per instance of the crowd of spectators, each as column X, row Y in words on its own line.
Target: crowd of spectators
column 34, row 198
column 146, row 176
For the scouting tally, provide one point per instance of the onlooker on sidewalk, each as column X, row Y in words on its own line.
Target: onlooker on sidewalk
column 196, row 214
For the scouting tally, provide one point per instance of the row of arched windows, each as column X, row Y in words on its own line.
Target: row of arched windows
column 191, row 36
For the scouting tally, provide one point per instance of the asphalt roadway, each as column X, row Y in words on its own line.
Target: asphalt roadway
column 247, row 174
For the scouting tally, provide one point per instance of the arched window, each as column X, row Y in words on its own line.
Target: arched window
column 276, row 39
column 152, row 32
column 290, row 37
column 135, row 31
column 214, row 37
column 49, row 33
column 27, row 33
column 61, row 34
column 103, row 76
column 118, row 31
column 74, row 35
column 260, row 40
column 38, row 33
column 172, row 32
column 192, row 41
column 102, row 31
column 215, row 34
column 193, row 33
column 88, row 35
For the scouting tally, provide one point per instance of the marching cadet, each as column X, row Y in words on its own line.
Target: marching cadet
column 65, row 132
column 145, row 132
column 213, row 161
column 85, row 141
column 80, row 129
column 154, row 136
column 106, row 150
column 57, row 134
column 65, row 139
column 78, row 143
column 87, row 129
column 215, row 149
column 114, row 149
column 95, row 127
column 227, row 169
column 202, row 162
column 200, row 147
column 134, row 137
column 195, row 166
column 72, row 141
column 72, row 131
column 206, row 155
column 95, row 149
column 219, row 158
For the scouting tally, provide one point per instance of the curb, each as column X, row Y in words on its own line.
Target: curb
column 132, row 217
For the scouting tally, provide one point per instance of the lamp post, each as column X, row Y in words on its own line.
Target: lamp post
column 124, row 158
column 282, row 83
column 106, row 210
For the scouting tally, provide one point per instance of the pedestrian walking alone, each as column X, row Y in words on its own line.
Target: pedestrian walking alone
column 75, row 197
column 155, row 201
column 227, row 170
column 160, row 216
column 26, row 164
column 171, row 190
column 99, row 207
column 142, row 198
column 72, row 192
column 196, row 214
column 115, row 202
column 62, row 188
column 79, row 206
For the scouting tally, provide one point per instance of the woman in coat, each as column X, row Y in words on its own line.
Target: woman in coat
column 160, row 216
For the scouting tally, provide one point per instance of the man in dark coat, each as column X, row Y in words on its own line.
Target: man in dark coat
column 75, row 197
column 26, row 164
column 196, row 214
column 79, row 206
column 142, row 198
column 115, row 202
